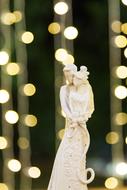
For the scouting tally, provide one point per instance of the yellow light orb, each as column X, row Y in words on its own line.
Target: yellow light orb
column 69, row 59
column 3, row 186
column 121, row 72
column 4, row 96
column 3, row 143
column 112, row 138
column 23, row 143
column 125, row 52
column 121, row 168
column 124, row 28
column 70, row 33
column 30, row 120
column 4, row 57
column 34, row 172
column 11, row 116
column 124, row 2
column 116, row 26
column 54, row 28
column 111, row 183
column 14, row 165
column 8, row 18
column 121, row 118
column 126, row 140
column 61, row 54
column 29, row 89
column 61, row 8
column 121, row 92
column 27, row 37
column 18, row 16
column 61, row 134
column 12, row 68
column 120, row 41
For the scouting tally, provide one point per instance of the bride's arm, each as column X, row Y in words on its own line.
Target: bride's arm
column 89, row 106
column 63, row 102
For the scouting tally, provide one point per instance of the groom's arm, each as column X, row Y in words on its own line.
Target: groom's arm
column 63, row 101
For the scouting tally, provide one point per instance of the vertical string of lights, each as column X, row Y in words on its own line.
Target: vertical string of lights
column 23, row 38
column 14, row 75
column 64, row 33
column 6, row 140
column 118, row 74
column 21, row 59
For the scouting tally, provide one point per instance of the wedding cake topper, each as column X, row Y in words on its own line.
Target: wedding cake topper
column 77, row 101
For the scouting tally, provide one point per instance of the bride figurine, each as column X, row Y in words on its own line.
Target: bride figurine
column 69, row 170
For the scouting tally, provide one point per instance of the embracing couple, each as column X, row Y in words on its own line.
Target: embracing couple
column 76, row 96
column 69, row 169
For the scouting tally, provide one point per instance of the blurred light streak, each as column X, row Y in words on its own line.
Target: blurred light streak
column 23, row 102
column 6, row 84
column 115, row 104
column 64, row 18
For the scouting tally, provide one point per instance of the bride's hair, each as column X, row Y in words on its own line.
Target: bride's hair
column 70, row 67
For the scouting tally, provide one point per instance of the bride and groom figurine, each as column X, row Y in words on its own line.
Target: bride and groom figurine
column 76, row 97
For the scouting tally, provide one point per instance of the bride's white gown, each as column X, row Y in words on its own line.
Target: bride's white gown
column 69, row 170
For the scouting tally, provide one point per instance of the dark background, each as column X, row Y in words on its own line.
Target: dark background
column 90, row 17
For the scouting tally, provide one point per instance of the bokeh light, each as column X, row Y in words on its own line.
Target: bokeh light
column 11, row 116
column 12, row 68
column 121, row 168
column 124, row 28
column 61, row 54
column 121, row 118
column 61, row 8
column 111, row 183
column 30, row 120
column 29, row 89
column 61, row 133
column 120, row 92
column 126, row 140
column 121, row 72
column 120, row 41
column 112, row 138
column 18, row 16
column 34, row 172
column 3, row 143
column 124, row 2
column 8, row 18
column 71, row 32
column 4, row 57
column 23, row 143
column 27, row 37
column 54, row 28
column 4, row 96
column 3, row 186
column 14, row 165
column 69, row 59
column 116, row 26
column 125, row 52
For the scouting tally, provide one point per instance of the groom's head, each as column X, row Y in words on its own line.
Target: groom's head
column 69, row 71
